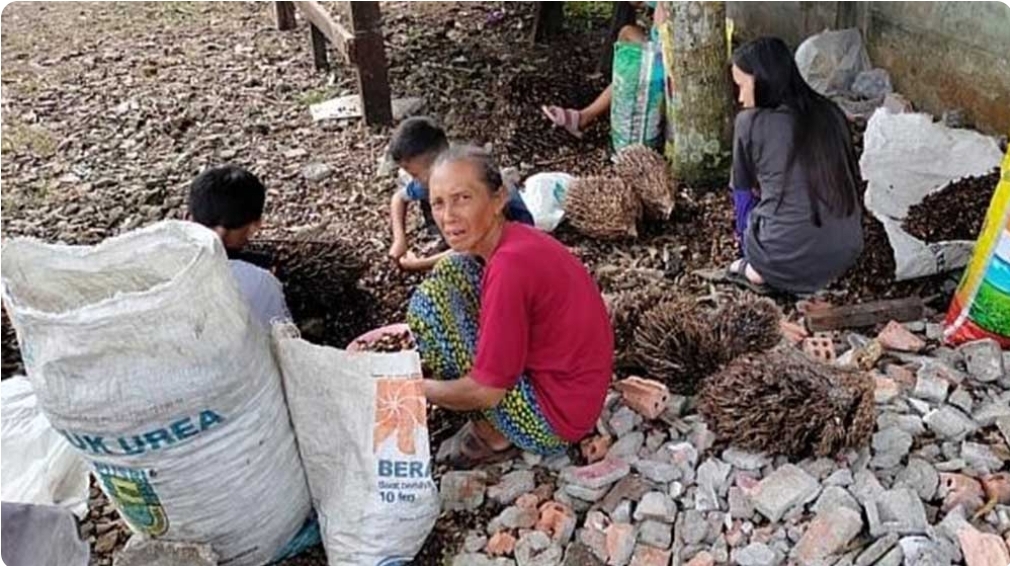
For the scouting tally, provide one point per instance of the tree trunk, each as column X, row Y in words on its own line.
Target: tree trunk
column 699, row 96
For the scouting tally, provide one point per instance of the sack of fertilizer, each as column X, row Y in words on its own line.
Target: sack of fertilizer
column 981, row 305
column 636, row 107
column 369, row 466
column 143, row 355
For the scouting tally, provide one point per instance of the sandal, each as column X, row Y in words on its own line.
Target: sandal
column 739, row 277
column 566, row 118
column 466, row 450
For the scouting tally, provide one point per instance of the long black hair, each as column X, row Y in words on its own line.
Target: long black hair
column 821, row 138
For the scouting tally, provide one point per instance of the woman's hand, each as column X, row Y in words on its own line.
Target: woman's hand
column 462, row 394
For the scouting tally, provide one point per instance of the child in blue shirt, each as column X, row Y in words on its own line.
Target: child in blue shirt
column 415, row 145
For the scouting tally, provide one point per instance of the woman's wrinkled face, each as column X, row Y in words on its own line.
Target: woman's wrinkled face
column 465, row 209
column 745, row 85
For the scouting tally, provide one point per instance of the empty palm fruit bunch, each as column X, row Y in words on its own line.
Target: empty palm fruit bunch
column 603, row 208
column 648, row 173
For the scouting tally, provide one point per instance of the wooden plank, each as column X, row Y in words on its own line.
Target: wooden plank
column 549, row 19
column 285, row 15
column 865, row 314
column 370, row 58
column 319, row 46
column 336, row 34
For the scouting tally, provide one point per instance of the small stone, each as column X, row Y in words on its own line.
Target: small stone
column 557, row 462
column 886, row 390
column 578, row 554
column 712, row 481
column 513, row 518
column 890, row 446
column 983, row 549
column 877, row 550
column 598, row 475
column 659, row 472
column 930, row 387
column 756, row 554
column 316, row 172
column 894, row 557
column 557, row 520
column 961, row 399
column 919, row 406
column 909, row 423
column 623, row 421
column 511, row 486
column 475, row 541
column 676, row 489
column 828, row 534
column 656, row 534
column 701, row 437
column 148, row 552
column 894, row 336
column 955, row 465
column 984, row 359
column 980, row 457
column 463, row 490
column 476, row 559
column 840, row 478
column 622, row 513
column 992, row 413
column 901, row 375
column 952, row 524
column 785, row 488
column 501, row 543
column 585, row 493
column 657, row 506
column 897, row 511
column 1003, row 424
column 620, row 540
column 866, row 487
column 627, row 446
column 934, row 331
column 628, row 488
column 649, row 556
column 693, row 527
column 949, row 423
column 834, row 497
column 528, row 500
column 744, row 460
column 536, row 549
column 922, row 550
column 740, row 506
column 920, row 476
column 703, row 558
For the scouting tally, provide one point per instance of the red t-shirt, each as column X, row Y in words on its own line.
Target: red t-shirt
column 541, row 315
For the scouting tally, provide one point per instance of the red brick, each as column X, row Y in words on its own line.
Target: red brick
column 820, row 348
column 959, row 489
column 595, row 448
column 646, row 397
column 620, row 543
column 997, row 486
column 902, row 375
column 528, row 501
column 894, row 336
column 981, row 549
column 501, row 543
column 650, row 556
column 557, row 520
column 703, row 558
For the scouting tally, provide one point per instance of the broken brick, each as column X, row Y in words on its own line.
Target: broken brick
column 997, row 486
column 528, row 501
column 646, row 555
column 501, row 543
column 820, row 347
column 959, row 489
column 982, row 549
column 646, row 397
column 595, row 448
column 895, row 336
column 557, row 520
column 620, row 543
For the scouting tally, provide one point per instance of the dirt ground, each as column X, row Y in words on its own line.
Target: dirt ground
column 109, row 110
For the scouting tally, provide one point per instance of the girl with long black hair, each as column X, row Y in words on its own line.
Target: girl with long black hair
column 794, row 179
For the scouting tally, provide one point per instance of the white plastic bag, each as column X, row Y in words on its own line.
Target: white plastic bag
column 905, row 158
column 39, row 465
column 363, row 435
column 544, row 196
column 830, row 60
column 145, row 357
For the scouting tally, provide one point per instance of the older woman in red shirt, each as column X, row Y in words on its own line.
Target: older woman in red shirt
column 536, row 365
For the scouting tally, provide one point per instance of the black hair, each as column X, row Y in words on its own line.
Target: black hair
column 227, row 196
column 489, row 172
column 821, row 138
column 415, row 137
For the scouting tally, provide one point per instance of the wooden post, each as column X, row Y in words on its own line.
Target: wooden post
column 319, row 46
column 549, row 19
column 370, row 58
column 285, row 15
column 865, row 314
column 701, row 104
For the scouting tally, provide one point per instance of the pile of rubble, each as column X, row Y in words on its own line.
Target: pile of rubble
column 655, row 486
